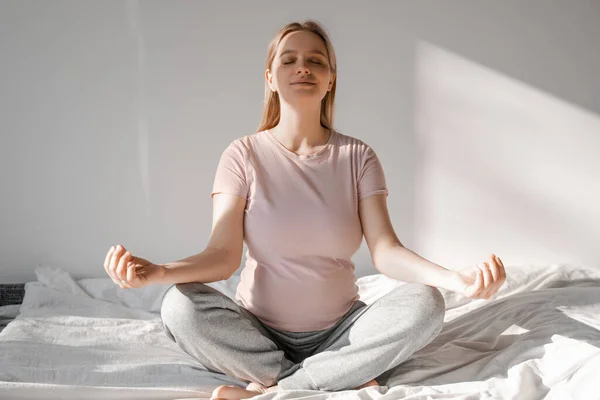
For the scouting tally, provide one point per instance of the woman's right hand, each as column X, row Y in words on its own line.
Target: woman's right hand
column 129, row 271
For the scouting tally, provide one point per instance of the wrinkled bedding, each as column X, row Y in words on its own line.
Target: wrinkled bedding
column 538, row 337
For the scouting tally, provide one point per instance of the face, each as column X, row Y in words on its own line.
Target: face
column 301, row 57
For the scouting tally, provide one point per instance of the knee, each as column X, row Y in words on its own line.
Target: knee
column 182, row 301
column 431, row 302
column 433, row 297
column 171, row 307
column 426, row 302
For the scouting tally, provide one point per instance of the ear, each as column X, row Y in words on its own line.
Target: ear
column 269, row 78
column 332, row 80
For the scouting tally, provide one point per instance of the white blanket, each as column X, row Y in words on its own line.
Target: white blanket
column 539, row 336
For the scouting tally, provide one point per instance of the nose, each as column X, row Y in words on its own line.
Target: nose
column 303, row 69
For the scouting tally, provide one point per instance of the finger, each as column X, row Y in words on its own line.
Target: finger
column 495, row 270
column 121, row 272
column 502, row 270
column 487, row 279
column 126, row 283
column 479, row 283
column 107, row 264
column 114, row 260
column 131, row 275
column 130, row 265
column 494, row 267
column 476, row 287
column 107, row 259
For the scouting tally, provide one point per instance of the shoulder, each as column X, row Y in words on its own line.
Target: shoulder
column 354, row 145
column 239, row 148
column 245, row 144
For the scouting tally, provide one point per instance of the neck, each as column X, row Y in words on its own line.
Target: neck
column 300, row 128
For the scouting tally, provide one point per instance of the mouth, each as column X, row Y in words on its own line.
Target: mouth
column 304, row 83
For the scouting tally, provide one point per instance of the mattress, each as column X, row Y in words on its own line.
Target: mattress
column 538, row 337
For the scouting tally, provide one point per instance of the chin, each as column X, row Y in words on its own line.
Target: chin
column 305, row 96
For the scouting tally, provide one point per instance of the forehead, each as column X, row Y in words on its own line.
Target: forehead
column 302, row 42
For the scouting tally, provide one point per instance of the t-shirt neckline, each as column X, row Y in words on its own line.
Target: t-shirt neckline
column 304, row 157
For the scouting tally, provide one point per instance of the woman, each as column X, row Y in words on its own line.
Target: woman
column 301, row 195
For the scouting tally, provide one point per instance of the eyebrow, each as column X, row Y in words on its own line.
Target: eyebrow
column 294, row 51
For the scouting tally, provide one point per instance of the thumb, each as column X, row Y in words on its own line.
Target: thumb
column 137, row 260
column 474, row 289
column 471, row 271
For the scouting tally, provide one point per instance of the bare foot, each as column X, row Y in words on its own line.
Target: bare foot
column 237, row 393
column 257, row 387
column 254, row 389
column 224, row 392
column 370, row 383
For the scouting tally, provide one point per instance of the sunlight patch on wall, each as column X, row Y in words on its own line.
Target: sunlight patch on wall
column 502, row 167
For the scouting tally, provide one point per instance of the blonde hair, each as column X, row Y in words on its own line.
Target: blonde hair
column 271, row 111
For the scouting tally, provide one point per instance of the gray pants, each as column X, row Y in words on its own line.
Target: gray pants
column 366, row 342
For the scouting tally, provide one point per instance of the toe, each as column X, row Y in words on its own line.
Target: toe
column 232, row 393
column 256, row 387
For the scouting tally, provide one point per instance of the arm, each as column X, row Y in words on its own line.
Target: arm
column 402, row 264
column 210, row 265
column 223, row 254
column 388, row 254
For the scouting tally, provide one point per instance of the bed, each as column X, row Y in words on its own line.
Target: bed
column 538, row 337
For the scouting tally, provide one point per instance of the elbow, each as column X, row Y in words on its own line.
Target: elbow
column 223, row 262
column 224, row 273
column 381, row 256
column 233, row 265
column 230, row 273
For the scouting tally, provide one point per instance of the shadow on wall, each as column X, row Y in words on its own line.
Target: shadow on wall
column 502, row 167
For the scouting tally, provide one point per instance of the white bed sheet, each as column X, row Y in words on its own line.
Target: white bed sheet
column 539, row 337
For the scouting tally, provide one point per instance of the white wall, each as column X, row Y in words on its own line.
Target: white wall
column 113, row 114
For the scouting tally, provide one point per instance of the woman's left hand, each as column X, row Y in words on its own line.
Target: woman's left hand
column 481, row 281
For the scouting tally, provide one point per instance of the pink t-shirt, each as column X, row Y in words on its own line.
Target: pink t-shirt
column 301, row 225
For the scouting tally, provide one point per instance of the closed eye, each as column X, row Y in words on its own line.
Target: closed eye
column 314, row 61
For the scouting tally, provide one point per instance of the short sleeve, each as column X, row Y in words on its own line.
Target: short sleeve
column 230, row 176
column 371, row 178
